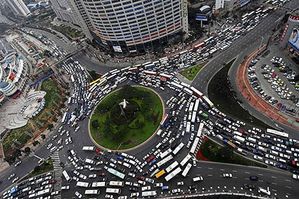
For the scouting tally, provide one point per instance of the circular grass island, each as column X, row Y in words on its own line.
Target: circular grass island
column 126, row 118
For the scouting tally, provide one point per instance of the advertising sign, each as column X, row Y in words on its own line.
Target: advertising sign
column 294, row 39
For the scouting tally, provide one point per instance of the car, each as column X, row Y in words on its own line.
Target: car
column 227, row 175
column 181, row 183
column 11, row 176
column 133, row 189
column 18, row 163
column 176, row 191
column 79, row 195
column 15, row 179
column 295, row 176
column 67, row 187
column 253, row 178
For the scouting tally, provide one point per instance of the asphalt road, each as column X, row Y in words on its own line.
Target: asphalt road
column 279, row 182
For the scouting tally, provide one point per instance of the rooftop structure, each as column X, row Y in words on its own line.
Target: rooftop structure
column 18, row 7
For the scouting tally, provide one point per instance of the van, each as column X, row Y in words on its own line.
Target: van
column 146, row 188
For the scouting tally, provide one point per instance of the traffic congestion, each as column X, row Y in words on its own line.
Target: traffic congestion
column 161, row 170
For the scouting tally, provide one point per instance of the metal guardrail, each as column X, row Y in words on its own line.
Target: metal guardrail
column 216, row 194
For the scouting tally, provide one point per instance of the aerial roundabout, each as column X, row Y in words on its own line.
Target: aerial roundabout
column 126, row 118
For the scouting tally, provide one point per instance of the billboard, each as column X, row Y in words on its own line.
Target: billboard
column 294, row 39
column 201, row 18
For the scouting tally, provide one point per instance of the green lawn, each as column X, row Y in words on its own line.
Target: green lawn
column 52, row 97
column 142, row 117
column 191, row 72
column 45, row 167
column 214, row 152
column 68, row 31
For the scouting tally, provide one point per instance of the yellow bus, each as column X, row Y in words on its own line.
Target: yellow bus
column 160, row 173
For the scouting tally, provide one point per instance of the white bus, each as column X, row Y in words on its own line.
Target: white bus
column 165, row 153
column 66, row 175
column 206, row 99
column 88, row 148
column 98, row 184
column 72, row 78
column 116, row 183
column 82, row 184
column 64, row 118
column 148, row 193
column 159, row 132
column 173, row 174
column 187, row 169
column 178, row 148
column 194, row 145
column 199, row 131
column 191, row 107
column 172, row 166
column 92, row 192
column 116, row 173
column 196, row 105
column 185, row 160
column 185, row 85
column 165, row 160
column 277, row 133
column 43, row 192
column 176, row 85
column 113, row 190
column 193, row 117
column 188, row 127
column 196, row 92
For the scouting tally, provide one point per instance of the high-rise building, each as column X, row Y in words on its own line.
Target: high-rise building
column 219, row 4
column 18, row 7
column 133, row 25
column 229, row 5
column 63, row 10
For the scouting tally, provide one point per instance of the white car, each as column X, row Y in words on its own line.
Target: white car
column 180, row 183
column 295, row 176
column 227, row 175
column 79, row 195
column 15, row 179
column 11, row 176
column 67, row 187
column 176, row 191
column 18, row 163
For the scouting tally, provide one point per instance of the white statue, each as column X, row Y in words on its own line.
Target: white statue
column 124, row 103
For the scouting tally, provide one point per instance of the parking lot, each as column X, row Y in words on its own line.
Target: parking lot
column 273, row 77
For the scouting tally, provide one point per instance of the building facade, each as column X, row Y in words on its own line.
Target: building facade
column 64, row 11
column 230, row 5
column 13, row 70
column 18, row 7
column 132, row 25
